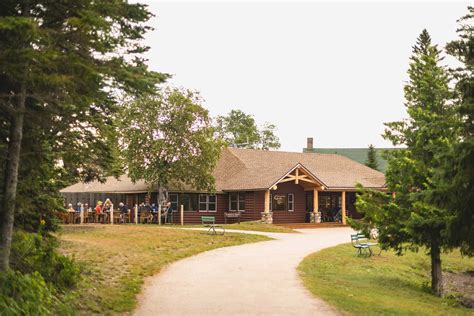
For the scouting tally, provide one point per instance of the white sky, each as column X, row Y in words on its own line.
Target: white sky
column 331, row 70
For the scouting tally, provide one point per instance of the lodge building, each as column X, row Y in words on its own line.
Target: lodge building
column 275, row 186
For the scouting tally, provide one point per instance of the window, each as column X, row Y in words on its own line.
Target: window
column 141, row 198
column 189, row 202
column 207, row 203
column 291, row 202
column 174, row 201
column 184, row 198
column 237, row 201
column 194, row 202
column 279, row 202
column 242, row 201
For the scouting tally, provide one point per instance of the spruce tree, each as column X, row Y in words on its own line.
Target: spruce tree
column 455, row 177
column 64, row 68
column 408, row 221
column 371, row 161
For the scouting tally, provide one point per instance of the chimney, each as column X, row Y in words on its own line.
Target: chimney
column 309, row 144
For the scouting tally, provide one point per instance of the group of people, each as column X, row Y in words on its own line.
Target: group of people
column 101, row 212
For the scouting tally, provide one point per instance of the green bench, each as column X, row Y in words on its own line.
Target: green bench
column 362, row 244
column 210, row 222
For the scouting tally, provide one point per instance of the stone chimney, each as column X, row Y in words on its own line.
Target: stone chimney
column 309, row 144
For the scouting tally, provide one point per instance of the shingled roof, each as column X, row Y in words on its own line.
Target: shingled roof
column 251, row 169
column 263, row 168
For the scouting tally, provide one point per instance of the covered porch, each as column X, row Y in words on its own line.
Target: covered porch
column 300, row 197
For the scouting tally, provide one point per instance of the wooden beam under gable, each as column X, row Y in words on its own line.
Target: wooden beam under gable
column 308, row 180
column 297, row 173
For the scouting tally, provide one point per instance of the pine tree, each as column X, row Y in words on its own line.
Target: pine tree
column 409, row 222
column 371, row 161
column 455, row 177
column 64, row 67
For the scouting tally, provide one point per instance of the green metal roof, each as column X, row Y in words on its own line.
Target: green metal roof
column 357, row 154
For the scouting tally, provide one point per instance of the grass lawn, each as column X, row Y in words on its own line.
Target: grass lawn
column 385, row 285
column 252, row 226
column 115, row 259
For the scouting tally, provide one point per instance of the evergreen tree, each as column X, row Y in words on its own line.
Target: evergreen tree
column 455, row 177
column 64, row 66
column 371, row 161
column 408, row 221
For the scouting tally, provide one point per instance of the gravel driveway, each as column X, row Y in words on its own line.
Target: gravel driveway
column 251, row 279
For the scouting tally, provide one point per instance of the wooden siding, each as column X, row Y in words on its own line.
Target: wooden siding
column 254, row 204
column 194, row 217
column 299, row 213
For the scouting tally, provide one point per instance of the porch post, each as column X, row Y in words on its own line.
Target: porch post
column 81, row 214
column 316, row 217
column 343, row 207
column 159, row 214
column 267, row 201
column 267, row 216
column 111, row 214
column 136, row 213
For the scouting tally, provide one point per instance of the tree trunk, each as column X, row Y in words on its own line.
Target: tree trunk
column 11, row 180
column 162, row 195
column 436, row 276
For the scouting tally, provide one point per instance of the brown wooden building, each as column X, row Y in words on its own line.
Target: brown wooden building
column 275, row 186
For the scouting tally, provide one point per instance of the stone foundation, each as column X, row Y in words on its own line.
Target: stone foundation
column 267, row 217
column 315, row 217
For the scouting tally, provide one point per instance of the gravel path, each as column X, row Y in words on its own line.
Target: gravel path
column 251, row 279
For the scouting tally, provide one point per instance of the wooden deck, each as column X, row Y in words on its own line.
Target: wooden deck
column 312, row 225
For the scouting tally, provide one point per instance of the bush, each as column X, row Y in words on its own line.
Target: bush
column 25, row 294
column 36, row 253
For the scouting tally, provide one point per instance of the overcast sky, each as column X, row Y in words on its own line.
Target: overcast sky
column 331, row 70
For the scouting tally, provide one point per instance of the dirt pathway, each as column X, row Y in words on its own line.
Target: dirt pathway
column 251, row 279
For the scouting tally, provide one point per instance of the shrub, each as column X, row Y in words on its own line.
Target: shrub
column 36, row 253
column 25, row 294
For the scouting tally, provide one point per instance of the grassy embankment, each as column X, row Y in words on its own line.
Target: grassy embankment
column 116, row 259
column 380, row 285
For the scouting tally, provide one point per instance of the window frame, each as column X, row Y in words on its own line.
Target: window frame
column 292, row 202
column 239, row 197
column 207, row 203
column 177, row 201
column 272, row 197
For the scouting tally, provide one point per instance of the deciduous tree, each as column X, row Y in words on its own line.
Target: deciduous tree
column 238, row 129
column 167, row 139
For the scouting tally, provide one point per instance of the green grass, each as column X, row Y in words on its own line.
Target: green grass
column 379, row 285
column 251, row 226
column 115, row 260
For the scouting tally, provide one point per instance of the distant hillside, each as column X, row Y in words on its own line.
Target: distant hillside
column 357, row 154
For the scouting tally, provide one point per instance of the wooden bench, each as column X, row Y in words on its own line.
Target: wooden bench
column 210, row 222
column 362, row 244
column 231, row 215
